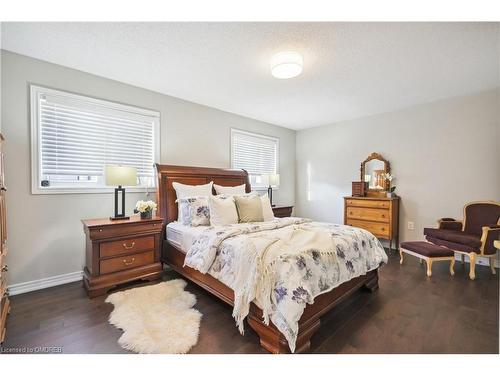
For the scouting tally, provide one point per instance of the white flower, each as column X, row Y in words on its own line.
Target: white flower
column 142, row 206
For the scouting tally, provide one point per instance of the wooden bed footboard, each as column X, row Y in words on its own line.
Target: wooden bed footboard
column 271, row 338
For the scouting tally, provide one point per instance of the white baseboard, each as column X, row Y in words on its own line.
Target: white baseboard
column 47, row 282
column 479, row 260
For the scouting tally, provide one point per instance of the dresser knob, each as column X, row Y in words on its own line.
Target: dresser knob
column 128, row 263
column 100, row 230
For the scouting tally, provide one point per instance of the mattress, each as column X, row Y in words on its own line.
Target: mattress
column 182, row 235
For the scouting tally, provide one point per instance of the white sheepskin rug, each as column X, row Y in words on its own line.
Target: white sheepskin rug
column 157, row 318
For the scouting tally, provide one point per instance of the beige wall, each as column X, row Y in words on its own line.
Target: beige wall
column 45, row 233
column 443, row 154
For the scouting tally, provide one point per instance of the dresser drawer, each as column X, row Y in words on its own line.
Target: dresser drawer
column 377, row 229
column 4, row 310
column 3, row 288
column 3, row 262
column 110, row 231
column 126, row 262
column 122, row 247
column 367, row 203
column 370, row 214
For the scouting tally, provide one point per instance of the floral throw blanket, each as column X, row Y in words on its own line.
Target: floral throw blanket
column 282, row 265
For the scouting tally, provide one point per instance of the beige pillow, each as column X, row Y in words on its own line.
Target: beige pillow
column 222, row 210
column 230, row 190
column 249, row 209
column 267, row 210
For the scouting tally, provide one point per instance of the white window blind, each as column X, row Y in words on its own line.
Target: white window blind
column 77, row 136
column 257, row 154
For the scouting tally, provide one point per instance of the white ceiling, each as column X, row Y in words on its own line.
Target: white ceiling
column 351, row 70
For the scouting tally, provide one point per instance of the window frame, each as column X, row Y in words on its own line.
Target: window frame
column 35, row 92
column 257, row 135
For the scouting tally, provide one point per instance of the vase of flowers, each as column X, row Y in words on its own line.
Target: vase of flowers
column 145, row 208
column 389, row 178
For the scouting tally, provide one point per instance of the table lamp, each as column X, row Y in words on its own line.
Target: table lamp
column 274, row 181
column 118, row 175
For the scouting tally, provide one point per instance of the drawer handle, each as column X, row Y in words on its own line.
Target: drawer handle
column 383, row 215
column 128, row 247
column 5, row 268
column 382, row 229
column 128, row 263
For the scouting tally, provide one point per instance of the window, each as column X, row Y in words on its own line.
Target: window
column 74, row 137
column 257, row 154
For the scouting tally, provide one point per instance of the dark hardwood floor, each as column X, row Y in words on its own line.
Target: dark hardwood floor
column 408, row 314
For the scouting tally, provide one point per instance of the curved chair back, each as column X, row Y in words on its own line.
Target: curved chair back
column 480, row 214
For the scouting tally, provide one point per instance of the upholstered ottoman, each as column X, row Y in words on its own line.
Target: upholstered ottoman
column 428, row 252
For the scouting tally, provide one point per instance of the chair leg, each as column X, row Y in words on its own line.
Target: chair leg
column 429, row 267
column 452, row 266
column 462, row 256
column 472, row 272
column 492, row 265
column 401, row 256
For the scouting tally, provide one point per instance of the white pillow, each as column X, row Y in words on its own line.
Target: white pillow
column 186, row 191
column 222, row 210
column 195, row 211
column 230, row 190
column 267, row 210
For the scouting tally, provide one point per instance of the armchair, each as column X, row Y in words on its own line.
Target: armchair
column 473, row 237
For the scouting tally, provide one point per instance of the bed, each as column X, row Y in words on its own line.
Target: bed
column 174, row 255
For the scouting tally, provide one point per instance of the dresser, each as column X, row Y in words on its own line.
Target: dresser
column 4, row 300
column 282, row 211
column 119, row 251
column 380, row 216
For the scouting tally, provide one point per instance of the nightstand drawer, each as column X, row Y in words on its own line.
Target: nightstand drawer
column 367, row 203
column 126, row 262
column 381, row 230
column 122, row 247
column 110, row 231
column 282, row 211
column 372, row 214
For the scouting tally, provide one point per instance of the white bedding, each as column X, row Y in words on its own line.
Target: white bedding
column 182, row 235
column 281, row 265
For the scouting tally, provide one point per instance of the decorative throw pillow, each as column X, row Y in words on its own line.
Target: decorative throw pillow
column 267, row 210
column 249, row 208
column 230, row 190
column 222, row 210
column 194, row 210
column 186, row 191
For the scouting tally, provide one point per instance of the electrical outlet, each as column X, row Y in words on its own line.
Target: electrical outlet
column 411, row 225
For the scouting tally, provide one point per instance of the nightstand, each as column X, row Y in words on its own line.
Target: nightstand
column 282, row 211
column 119, row 251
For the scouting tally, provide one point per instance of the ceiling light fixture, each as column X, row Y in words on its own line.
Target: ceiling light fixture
column 286, row 65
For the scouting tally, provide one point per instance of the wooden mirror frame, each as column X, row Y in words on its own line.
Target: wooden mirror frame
column 387, row 169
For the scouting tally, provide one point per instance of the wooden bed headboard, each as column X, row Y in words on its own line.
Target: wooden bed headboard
column 165, row 193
